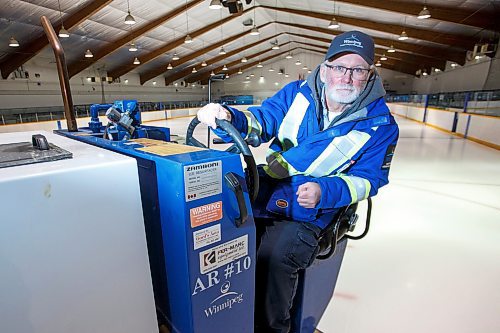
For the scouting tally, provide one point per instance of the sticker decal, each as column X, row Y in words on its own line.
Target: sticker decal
column 282, row 203
column 202, row 180
column 205, row 214
column 389, row 153
column 206, row 236
column 222, row 254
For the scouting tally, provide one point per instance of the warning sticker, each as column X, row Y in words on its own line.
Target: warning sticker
column 222, row 254
column 202, row 180
column 205, row 214
column 206, row 236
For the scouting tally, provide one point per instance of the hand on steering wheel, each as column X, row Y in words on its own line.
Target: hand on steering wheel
column 239, row 146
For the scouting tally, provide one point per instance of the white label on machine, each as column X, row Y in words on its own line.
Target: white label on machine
column 202, row 180
column 206, row 236
column 222, row 254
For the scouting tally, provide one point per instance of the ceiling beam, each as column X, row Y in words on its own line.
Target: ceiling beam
column 77, row 66
column 411, row 58
column 431, row 52
column 152, row 73
column 485, row 18
column 455, row 40
column 127, row 67
column 186, row 71
column 33, row 47
column 402, row 56
column 218, row 69
column 205, row 72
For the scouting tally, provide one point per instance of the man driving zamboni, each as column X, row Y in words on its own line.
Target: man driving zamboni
column 333, row 142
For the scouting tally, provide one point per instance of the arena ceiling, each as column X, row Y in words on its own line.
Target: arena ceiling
column 454, row 30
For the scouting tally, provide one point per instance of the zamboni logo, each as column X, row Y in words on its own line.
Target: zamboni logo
column 352, row 41
column 202, row 166
column 224, row 301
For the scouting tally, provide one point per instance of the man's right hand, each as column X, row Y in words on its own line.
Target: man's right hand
column 207, row 114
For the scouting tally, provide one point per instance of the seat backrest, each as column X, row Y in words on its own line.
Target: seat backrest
column 335, row 230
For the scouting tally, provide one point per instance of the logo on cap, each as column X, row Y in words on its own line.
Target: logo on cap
column 352, row 41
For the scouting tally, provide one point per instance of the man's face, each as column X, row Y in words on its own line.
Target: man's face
column 341, row 85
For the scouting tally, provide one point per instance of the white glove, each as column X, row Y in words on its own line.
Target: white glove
column 207, row 114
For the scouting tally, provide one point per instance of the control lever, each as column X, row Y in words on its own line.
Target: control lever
column 40, row 142
column 233, row 182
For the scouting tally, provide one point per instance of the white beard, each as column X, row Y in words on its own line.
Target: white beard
column 343, row 97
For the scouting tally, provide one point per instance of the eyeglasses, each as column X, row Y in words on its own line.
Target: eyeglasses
column 357, row 73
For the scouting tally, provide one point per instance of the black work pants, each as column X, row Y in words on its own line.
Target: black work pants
column 285, row 248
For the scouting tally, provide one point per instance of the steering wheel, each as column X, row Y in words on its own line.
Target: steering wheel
column 239, row 146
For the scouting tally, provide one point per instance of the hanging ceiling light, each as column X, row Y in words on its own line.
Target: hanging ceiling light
column 13, row 42
column 383, row 57
column 188, row 38
column 132, row 47
column 298, row 63
column 378, row 64
column 391, row 49
column 244, row 59
column 252, row 74
column 136, row 61
column 129, row 19
column 255, row 31
column 240, row 71
column 222, row 51
column 212, row 73
column 333, row 24
column 453, row 64
column 247, row 77
column 227, row 76
column 204, row 64
column 289, row 56
column 259, row 65
column 271, row 69
column 169, row 67
column 175, row 57
column 287, row 75
column 305, row 67
column 224, row 68
column 88, row 54
column 63, row 33
column 194, row 70
column 403, row 36
column 215, row 4
column 424, row 14
column 309, row 71
column 425, row 73
column 276, row 45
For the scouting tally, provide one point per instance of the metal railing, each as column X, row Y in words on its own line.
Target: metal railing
column 485, row 102
column 38, row 114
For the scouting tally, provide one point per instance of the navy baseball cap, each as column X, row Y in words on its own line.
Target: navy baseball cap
column 352, row 42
